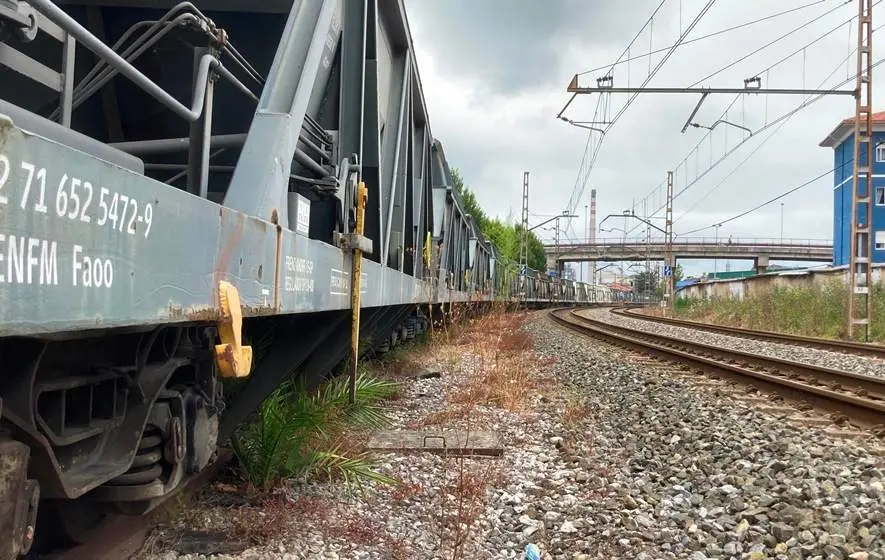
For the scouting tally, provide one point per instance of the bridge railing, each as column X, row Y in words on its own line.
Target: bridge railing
column 777, row 242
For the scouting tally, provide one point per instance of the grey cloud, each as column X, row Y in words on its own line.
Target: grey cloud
column 511, row 45
column 505, row 50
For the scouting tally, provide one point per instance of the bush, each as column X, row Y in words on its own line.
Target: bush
column 299, row 434
column 810, row 311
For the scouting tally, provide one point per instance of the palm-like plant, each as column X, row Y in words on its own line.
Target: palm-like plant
column 299, row 433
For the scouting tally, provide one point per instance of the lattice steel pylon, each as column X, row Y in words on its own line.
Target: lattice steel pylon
column 669, row 260
column 592, row 238
column 860, row 273
column 524, row 237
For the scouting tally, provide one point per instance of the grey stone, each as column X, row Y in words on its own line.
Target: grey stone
column 782, row 532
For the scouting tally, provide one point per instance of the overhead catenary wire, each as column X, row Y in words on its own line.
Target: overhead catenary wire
column 781, row 122
column 636, row 36
column 617, row 60
column 579, row 189
column 702, row 37
column 775, row 41
column 792, row 190
column 573, row 200
column 663, row 60
column 581, row 184
column 766, row 126
column 713, row 165
column 762, row 205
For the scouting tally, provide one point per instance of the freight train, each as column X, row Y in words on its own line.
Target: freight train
column 180, row 191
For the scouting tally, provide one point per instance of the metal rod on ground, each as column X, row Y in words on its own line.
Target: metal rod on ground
column 362, row 194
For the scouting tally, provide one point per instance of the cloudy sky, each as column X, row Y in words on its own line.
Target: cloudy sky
column 495, row 74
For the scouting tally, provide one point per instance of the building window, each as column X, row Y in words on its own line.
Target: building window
column 880, row 152
column 880, row 196
column 880, row 240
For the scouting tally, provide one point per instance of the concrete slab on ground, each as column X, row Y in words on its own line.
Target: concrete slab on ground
column 452, row 443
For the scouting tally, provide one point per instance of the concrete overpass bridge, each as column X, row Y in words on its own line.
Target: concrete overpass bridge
column 759, row 250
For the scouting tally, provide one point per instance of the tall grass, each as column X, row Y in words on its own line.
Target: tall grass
column 804, row 310
column 299, row 434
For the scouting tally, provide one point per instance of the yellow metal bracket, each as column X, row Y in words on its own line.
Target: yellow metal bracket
column 233, row 359
column 362, row 195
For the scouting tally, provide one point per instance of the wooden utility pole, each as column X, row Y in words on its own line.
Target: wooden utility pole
column 860, row 275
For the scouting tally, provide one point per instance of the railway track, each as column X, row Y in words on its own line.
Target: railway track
column 855, row 397
column 843, row 346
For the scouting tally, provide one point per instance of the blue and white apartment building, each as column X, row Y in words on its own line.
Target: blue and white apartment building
column 841, row 139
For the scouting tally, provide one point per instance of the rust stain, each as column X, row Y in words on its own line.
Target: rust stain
column 227, row 356
column 5, row 126
column 175, row 311
column 199, row 315
column 208, row 314
column 278, row 255
column 229, row 245
column 258, row 311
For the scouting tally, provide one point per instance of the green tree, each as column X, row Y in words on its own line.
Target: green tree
column 468, row 199
column 646, row 282
column 506, row 237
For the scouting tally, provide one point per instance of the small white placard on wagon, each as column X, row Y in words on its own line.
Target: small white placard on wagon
column 302, row 223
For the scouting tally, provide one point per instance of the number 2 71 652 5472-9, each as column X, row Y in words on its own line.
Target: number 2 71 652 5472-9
column 28, row 187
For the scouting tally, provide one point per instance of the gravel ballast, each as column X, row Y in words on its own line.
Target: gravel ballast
column 836, row 360
column 604, row 458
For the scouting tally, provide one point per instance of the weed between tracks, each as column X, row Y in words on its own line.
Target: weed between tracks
column 487, row 365
column 492, row 368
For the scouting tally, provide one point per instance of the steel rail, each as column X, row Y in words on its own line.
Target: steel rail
column 841, row 346
column 859, row 397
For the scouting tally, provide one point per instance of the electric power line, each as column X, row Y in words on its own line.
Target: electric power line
column 578, row 193
column 772, row 42
column 660, row 64
column 782, row 120
column 702, row 37
column 573, row 200
column 633, row 40
column 684, row 160
column 764, row 204
column 784, row 194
